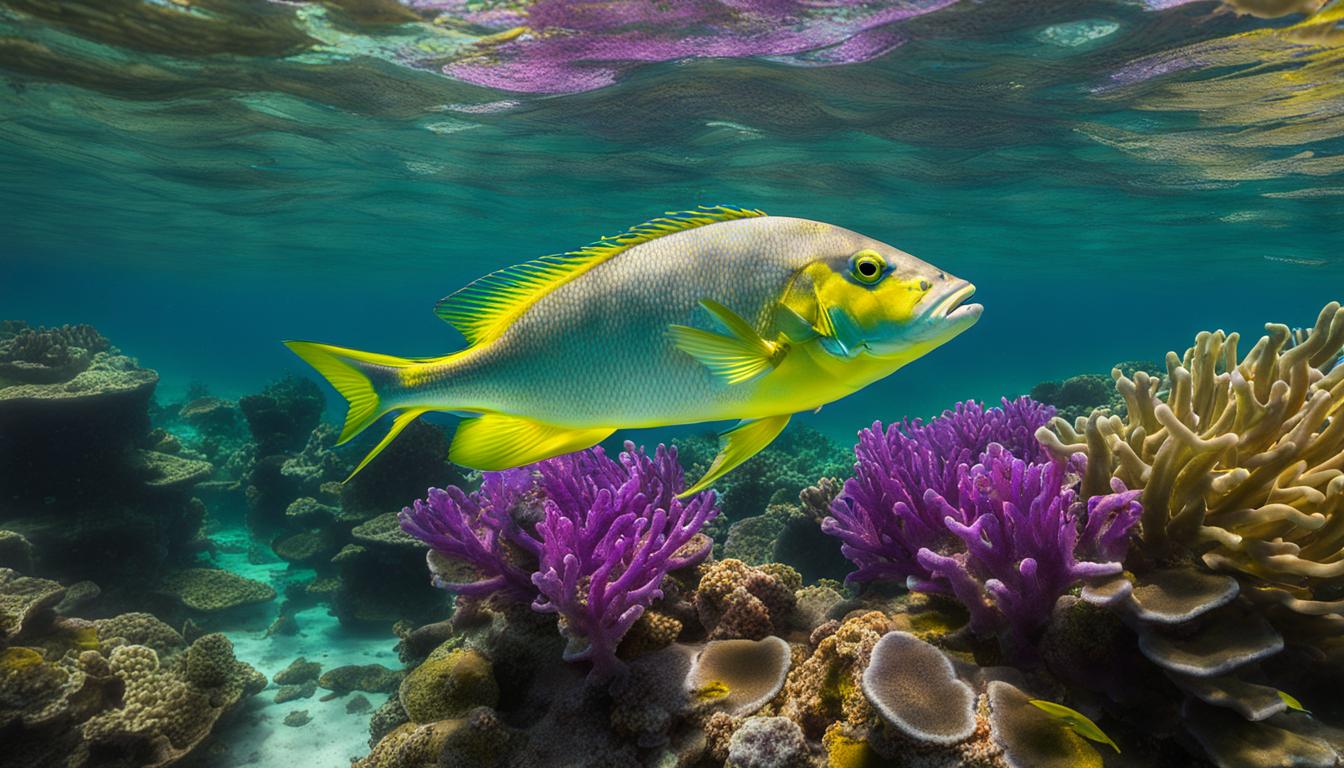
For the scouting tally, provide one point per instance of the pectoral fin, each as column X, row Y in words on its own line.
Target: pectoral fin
column 739, row 356
column 736, row 446
column 498, row 441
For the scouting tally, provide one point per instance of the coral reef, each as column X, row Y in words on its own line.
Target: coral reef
column 790, row 533
column 85, row 481
column 283, row 414
column 776, row 475
column 607, row 534
column 125, row 690
column 1078, row 396
column 1004, row 536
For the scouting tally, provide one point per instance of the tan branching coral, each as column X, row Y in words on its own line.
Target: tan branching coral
column 1241, row 459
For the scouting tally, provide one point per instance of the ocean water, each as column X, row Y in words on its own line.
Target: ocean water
column 202, row 179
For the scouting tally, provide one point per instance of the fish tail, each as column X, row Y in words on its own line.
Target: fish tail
column 364, row 379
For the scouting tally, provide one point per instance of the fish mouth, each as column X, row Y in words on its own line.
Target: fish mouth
column 946, row 316
column 951, row 307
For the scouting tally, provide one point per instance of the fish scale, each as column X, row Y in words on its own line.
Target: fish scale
column 596, row 351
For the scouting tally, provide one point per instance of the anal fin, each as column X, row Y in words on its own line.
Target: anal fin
column 402, row 421
column 738, row 444
column 495, row 441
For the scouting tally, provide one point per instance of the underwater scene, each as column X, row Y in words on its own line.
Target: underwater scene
column 671, row 383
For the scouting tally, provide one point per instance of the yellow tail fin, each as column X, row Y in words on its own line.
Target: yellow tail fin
column 357, row 376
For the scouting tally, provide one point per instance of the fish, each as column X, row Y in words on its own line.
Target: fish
column 712, row 314
column 1075, row 720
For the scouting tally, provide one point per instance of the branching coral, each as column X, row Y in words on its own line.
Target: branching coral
column 606, row 542
column 883, row 517
column 1019, row 526
column 607, row 534
column 1003, row 535
column 477, row 529
column 1241, row 461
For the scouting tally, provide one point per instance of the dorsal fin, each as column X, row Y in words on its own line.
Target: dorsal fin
column 485, row 308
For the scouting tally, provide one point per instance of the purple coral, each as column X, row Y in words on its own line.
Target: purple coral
column 479, row 529
column 882, row 516
column 1019, row 533
column 948, row 508
column 608, row 538
column 607, row 534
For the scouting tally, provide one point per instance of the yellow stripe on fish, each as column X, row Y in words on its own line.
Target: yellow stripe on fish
column 705, row 315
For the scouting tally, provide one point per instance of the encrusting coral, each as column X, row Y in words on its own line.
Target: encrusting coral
column 124, row 690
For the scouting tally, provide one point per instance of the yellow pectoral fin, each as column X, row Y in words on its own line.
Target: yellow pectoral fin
column 736, row 446
column 497, row 441
column 740, row 356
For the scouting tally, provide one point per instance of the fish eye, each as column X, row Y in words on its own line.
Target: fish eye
column 867, row 266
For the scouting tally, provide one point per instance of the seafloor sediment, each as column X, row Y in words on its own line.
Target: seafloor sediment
column 1144, row 568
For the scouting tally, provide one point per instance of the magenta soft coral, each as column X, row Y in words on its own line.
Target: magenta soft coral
column 608, row 533
column 1020, row 550
column 947, row 508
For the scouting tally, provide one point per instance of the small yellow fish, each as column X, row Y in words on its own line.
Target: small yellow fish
column 1293, row 703
column 718, row 313
column 1080, row 723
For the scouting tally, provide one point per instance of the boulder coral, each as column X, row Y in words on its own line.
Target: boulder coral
column 448, row 684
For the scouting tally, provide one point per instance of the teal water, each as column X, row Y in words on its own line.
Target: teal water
column 200, row 180
column 199, row 206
